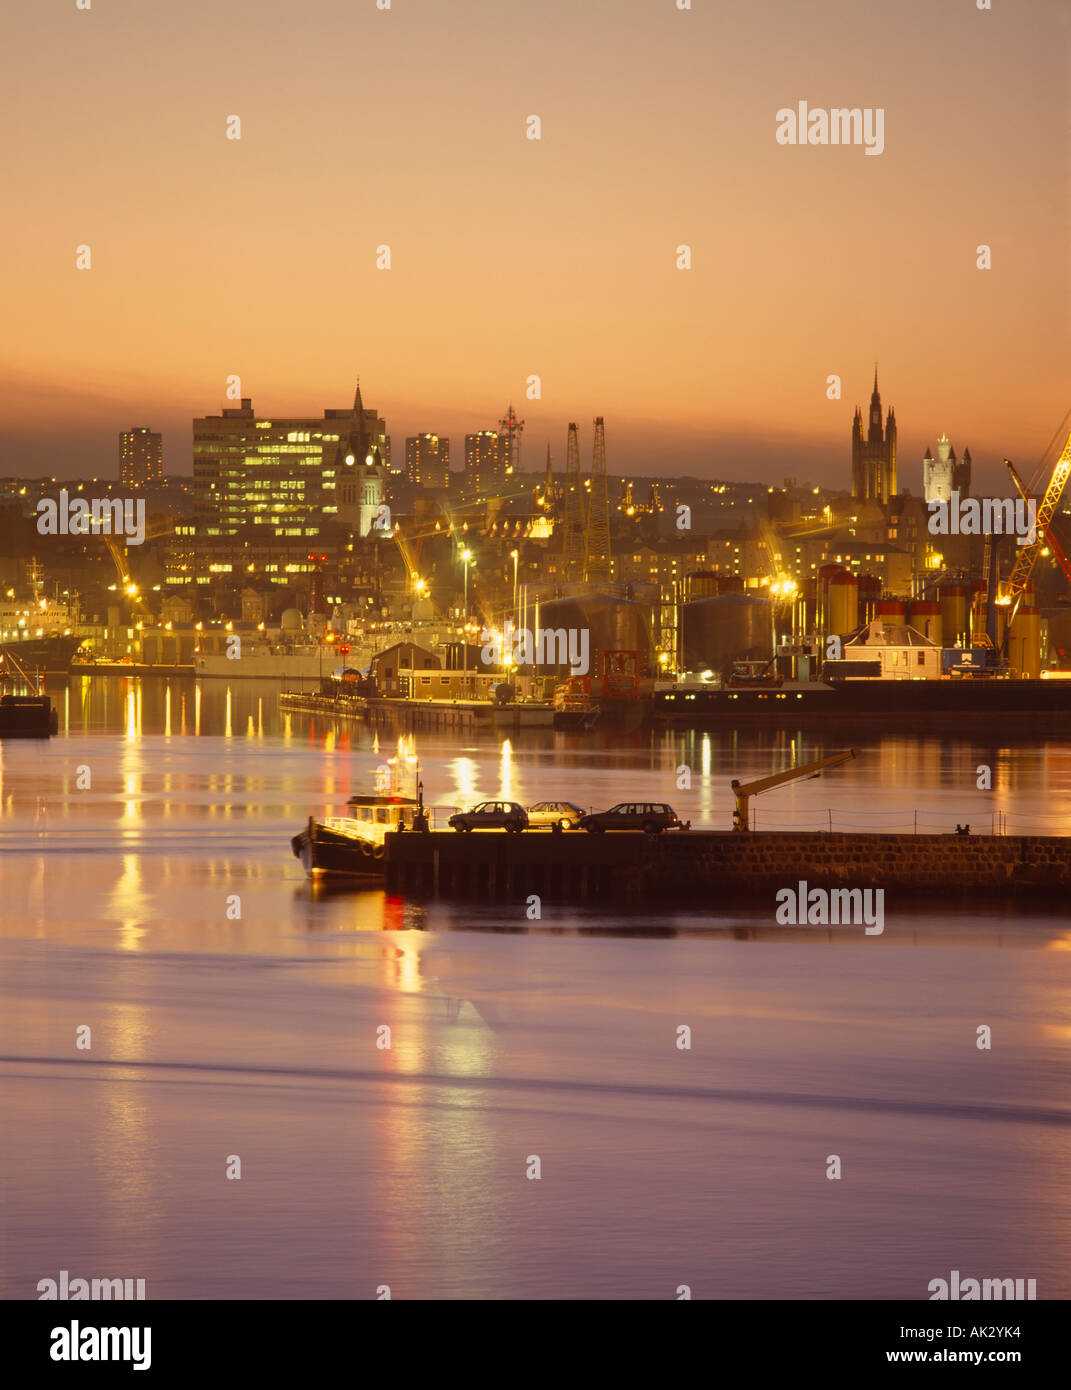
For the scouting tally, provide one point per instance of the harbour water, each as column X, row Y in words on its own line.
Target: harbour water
column 215, row 1035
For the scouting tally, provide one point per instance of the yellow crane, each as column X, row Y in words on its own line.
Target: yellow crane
column 745, row 790
column 1026, row 555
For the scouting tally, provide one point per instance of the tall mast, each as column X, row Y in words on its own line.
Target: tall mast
column 597, row 537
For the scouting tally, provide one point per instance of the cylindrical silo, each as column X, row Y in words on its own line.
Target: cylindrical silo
column 731, row 627
column 700, row 584
column 955, row 624
column 601, row 623
column 825, row 574
column 1024, row 642
column 980, row 623
column 891, row 612
column 926, row 618
column 843, row 604
column 870, row 590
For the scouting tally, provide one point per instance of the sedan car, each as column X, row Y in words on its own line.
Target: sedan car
column 559, row 815
column 652, row 816
column 491, row 815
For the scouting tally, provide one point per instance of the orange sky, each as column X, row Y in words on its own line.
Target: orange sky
column 510, row 256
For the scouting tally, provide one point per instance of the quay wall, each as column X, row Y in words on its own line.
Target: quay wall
column 406, row 715
column 720, row 866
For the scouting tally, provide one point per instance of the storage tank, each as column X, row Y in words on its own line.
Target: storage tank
column 891, row 611
column 612, row 624
column 955, row 626
column 700, row 584
column 1024, row 641
column 732, row 627
column 870, row 588
column 842, row 604
column 823, row 578
column 926, row 618
column 978, row 592
column 978, row 623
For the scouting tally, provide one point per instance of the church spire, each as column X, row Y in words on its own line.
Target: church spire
column 357, row 443
column 874, row 432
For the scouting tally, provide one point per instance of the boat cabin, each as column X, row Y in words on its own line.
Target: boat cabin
column 372, row 817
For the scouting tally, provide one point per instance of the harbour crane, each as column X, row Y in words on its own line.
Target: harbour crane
column 1028, row 554
column 746, row 790
column 1048, row 534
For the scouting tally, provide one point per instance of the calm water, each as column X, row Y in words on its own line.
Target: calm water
column 214, row 1036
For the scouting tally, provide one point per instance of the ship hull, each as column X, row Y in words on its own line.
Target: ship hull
column 27, row 716
column 1032, row 704
column 49, row 654
column 325, row 853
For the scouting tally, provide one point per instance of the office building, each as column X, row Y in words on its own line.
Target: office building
column 285, row 473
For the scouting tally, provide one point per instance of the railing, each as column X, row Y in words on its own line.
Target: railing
column 908, row 822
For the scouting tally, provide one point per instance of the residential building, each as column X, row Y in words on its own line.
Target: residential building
column 483, row 460
column 427, row 460
column 141, row 458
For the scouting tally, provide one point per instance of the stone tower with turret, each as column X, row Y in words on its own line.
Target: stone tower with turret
column 945, row 474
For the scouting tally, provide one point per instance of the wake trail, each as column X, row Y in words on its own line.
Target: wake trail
column 1015, row 1114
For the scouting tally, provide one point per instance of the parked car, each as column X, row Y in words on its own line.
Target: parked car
column 652, row 816
column 491, row 815
column 559, row 815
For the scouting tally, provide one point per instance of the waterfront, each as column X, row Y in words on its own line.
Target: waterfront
column 215, row 1036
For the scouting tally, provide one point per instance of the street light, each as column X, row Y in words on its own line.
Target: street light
column 466, row 556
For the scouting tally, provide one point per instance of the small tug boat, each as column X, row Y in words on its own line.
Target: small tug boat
column 24, row 716
column 354, row 846
column 755, row 675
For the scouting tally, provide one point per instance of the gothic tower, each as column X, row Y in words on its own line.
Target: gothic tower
column 874, row 457
column 361, row 472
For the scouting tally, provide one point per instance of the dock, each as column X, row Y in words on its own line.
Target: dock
column 720, row 867
column 409, row 716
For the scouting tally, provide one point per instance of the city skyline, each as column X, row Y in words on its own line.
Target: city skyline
column 832, row 473
column 513, row 257
column 534, row 717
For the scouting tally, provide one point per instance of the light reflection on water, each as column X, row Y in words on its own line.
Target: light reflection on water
column 256, row 1034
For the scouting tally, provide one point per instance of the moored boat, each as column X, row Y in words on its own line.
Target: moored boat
column 354, row 846
column 24, row 715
